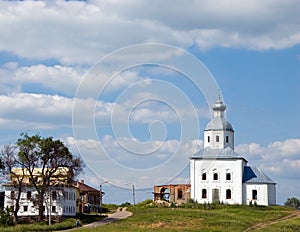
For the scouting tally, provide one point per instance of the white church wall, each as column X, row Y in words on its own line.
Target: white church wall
column 221, row 168
column 260, row 197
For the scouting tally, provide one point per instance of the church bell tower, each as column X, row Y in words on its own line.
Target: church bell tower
column 219, row 133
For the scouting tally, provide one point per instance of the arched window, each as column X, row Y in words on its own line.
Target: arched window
column 208, row 138
column 217, row 138
column 204, row 193
column 216, row 176
column 228, row 176
column 203, row 176
column 228, row 194
column 254, row 194
column 164, row 194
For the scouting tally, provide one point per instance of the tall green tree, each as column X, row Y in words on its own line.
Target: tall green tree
column 46, row 156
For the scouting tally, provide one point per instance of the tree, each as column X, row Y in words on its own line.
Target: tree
column 292, row 202
column 47, row 155
column 9, row 159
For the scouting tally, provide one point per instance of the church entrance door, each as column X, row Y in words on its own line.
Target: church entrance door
column 215, row 195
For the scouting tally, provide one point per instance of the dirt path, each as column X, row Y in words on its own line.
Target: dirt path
column 264, row 224
column 118, row 215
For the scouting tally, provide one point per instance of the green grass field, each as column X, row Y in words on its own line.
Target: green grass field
column 192, row 217
column 291, row 225
column 219, row 218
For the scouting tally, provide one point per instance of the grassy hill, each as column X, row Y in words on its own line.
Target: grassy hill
column 194, row 217
column 148, row 216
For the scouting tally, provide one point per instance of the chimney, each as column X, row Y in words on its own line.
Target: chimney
column 82, row 181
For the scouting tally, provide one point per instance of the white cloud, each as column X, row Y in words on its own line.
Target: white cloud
column 40, row 110
column 82, row 32
column 52, row 111
column 63, row 80
column 287, row 147
column 254, row 150
column 35, row 108
column 57, row 78
column 108, row 159
column 280, row 158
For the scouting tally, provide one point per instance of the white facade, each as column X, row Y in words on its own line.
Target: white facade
column 62, row 201
column 219, row 174
column 211, row 175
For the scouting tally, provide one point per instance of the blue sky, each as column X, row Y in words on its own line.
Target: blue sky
column 55, row 56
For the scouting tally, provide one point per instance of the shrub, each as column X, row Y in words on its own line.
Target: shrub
column 145, row 203
column 6, row 218
column 126, row 204
column 292, row 202
column 110, row 207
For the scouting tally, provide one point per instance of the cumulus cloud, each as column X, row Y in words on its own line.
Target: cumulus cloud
column 279, row 159
column 107, row 158
column 40, row 110
column 63, row 80
column 82, row 32
column 35, row 111
column 53, row 111
column 52, row 79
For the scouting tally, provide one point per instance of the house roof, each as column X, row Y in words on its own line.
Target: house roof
column 85, row 188
column 224, row 153
column 255, row 175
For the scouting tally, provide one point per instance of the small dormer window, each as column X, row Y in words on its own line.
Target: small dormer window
column 217, row 138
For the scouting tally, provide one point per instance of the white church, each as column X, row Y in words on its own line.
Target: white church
column 219, row 174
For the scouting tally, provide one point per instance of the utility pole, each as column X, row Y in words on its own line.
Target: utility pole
column 133, row 194
column 101, row 195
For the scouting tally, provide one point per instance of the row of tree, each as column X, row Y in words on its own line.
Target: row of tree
column 32, row 153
